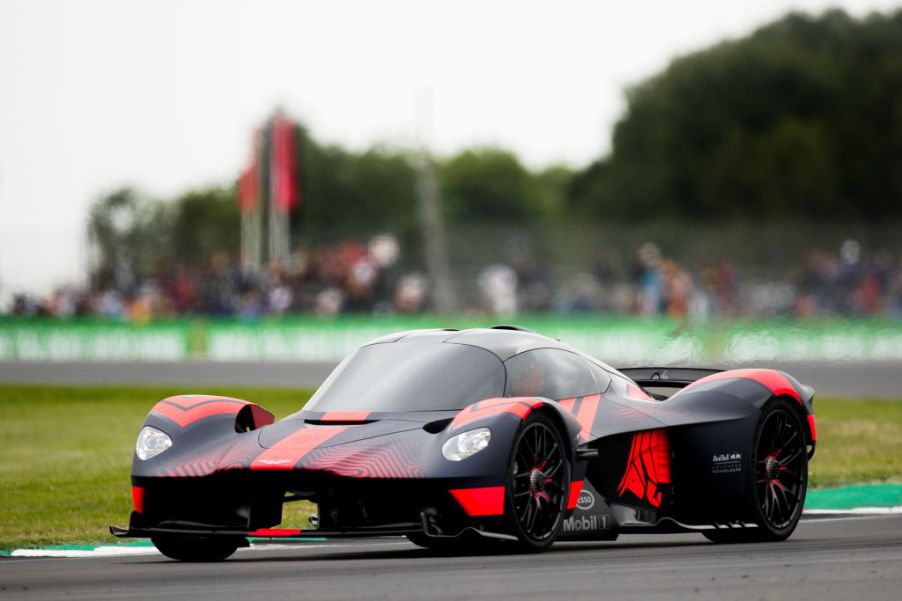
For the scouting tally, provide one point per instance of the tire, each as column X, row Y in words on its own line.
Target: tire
column 196, row 549
column 537, row 484
column 778, row 480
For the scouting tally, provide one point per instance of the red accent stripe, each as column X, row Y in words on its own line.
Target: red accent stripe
column 286, row 453
column 769, row 378
column 635, row 392
column 568, row 404
column 345, row 416
column 183, row 417
column 484, row 501
column 497, row 402
column 648, row 466
column 274, row 532
column 813, row 426
column 138, row 498
column 588, row 408
column 521, row 407
column 575, row 488
column 192, row 400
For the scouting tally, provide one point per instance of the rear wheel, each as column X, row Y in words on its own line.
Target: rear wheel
column 538, row 481
column 196, row 548
column 778, row 481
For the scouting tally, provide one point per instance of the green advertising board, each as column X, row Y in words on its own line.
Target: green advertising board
column 620, row 340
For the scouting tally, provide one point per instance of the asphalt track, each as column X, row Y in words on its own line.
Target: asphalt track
column 881, row 380
column 850, row 558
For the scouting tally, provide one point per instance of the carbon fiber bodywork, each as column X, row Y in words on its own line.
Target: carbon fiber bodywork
column 639, row 460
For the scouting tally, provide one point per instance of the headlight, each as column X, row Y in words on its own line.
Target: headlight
column 151, row 442
column 466, row 444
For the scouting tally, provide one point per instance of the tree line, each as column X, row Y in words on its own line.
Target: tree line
column 801, row 119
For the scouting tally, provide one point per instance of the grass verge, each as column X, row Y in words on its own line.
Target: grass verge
column 859, row 440
column 65, row 454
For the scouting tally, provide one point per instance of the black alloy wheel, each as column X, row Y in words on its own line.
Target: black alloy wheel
column 538, row 484
column 779, row 480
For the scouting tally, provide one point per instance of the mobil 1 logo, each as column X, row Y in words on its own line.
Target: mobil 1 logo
column 590, row 519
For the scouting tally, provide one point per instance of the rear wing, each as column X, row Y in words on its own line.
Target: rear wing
column 666, row 377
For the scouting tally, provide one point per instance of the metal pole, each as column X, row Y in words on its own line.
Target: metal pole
column 432, row 227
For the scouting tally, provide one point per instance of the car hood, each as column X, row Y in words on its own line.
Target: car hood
column 342, row 428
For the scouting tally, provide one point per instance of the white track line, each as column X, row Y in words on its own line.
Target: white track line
column 857, row 511
column 106, row 551
column 124, row 551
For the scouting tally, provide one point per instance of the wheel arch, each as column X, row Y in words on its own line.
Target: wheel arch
column 179, row 414
column 567, row 425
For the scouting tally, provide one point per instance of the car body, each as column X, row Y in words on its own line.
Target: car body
column 447, row 436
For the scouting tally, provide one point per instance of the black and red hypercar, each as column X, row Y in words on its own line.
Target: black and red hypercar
column 446, row 436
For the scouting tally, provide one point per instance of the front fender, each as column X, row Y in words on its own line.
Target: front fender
column 509, row 413
column 199, row 425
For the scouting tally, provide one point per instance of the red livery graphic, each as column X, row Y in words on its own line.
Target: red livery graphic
column 480, row 501
column 648, row 467
column 290, row 450
column 772, row 380
column 517, row 406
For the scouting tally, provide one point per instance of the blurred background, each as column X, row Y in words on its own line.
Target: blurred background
column 692, row 182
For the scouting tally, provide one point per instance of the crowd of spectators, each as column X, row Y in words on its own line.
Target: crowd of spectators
column 367, row 278
column 346, row 277
column 849, row 283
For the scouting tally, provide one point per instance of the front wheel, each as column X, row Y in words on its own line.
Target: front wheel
column 196, row 548
column 778, row 479
column 537, row 484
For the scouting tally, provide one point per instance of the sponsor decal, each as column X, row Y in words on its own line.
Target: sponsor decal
column 726, row 463
column 274, row 461
column 587, row 523
column 586, row 500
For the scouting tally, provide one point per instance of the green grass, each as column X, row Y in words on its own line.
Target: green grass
column 65, row 454
column 858, row 441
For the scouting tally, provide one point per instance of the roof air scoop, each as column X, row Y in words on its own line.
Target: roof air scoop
column 512, row 327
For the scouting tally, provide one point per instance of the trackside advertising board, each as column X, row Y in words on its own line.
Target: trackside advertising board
column 618, row 340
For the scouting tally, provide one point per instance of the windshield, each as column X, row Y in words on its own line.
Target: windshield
column 411, row 376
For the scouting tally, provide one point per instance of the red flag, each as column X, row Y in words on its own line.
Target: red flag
column 249, row 182
column 284, row 187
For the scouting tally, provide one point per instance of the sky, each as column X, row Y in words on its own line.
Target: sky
column 163, row 95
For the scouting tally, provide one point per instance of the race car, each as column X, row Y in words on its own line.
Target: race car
column 450, row 436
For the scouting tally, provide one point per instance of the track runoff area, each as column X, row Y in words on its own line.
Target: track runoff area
column 874, row 501
column 849, row 543
column 836, row 557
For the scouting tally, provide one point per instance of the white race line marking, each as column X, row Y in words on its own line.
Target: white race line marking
column 123, row 551
column 323, row 545
column 857, row 511
column 110, row 551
